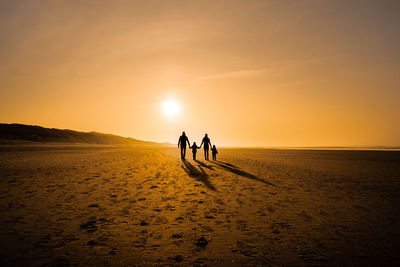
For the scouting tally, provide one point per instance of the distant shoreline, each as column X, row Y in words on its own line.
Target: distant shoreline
column 395, row 148
column 32, row 135
column 4, row 143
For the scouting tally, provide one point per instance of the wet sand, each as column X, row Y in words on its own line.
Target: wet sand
column 77, row 205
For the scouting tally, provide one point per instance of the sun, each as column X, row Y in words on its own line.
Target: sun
column 171, row 108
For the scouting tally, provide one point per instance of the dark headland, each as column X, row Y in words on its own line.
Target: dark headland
column 21, row 132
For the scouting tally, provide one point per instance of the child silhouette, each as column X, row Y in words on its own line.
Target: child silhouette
column 214, row 152
column 194, row 148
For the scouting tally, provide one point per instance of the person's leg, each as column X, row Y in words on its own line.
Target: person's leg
column 181, row 152
column 184, row 152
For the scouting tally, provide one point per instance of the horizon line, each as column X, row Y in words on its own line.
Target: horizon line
column 338, row 147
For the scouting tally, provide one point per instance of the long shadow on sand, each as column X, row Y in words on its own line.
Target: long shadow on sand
column 233, row 169
column 228, row 164
column 205, row 165
column 198, row 174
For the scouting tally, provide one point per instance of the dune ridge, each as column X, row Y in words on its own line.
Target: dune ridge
column 33, row 133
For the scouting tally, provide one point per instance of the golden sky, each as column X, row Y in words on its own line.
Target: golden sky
column 249, row 73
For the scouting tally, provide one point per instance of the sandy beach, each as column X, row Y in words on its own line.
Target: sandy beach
column 75, row 205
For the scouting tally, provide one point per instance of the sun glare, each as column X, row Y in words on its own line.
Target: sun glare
column 171, row 108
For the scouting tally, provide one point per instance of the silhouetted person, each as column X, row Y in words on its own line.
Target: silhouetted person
column 194, row 148
column 214, row 152
column 207, row 145
column 182, row 142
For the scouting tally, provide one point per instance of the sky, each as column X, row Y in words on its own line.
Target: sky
column 251, row 73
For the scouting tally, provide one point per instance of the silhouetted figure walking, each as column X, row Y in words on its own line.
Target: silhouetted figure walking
column 194, row 148
column 182, row 142
column 214, row 152
column 207, row 145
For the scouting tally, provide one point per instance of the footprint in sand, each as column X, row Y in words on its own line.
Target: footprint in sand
column 176, row 236
column 59, row 261
column 140, row 243
column 278, row 227
column 144, row 223
column 202, row 242
column 161, row 220
column 177, row 258
column 200, row 262
column 170, row 207
column 242, row 226
column 90, row 226
column 179, row 219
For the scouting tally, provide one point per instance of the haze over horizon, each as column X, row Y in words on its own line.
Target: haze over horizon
column 254, row 73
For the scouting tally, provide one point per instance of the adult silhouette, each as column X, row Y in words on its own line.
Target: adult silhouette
column 207, row 145
column 182, row 143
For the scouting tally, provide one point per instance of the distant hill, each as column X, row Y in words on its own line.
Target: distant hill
column 23, row 132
